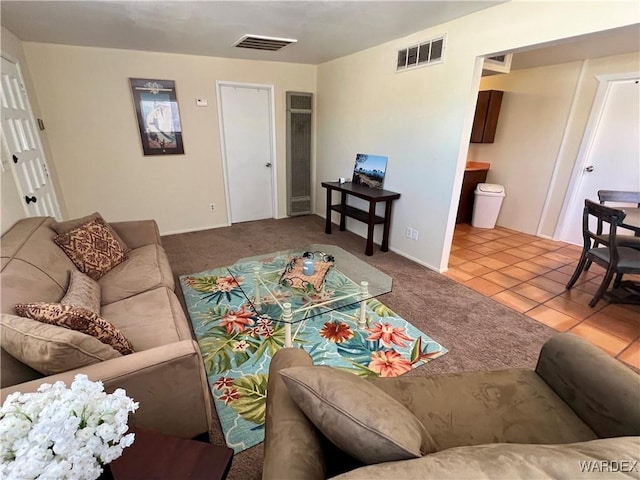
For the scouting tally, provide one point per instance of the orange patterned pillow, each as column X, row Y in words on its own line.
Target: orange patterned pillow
column 79, row 319
column 92, row 248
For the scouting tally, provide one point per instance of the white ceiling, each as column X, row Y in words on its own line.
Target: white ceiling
column 325, row 30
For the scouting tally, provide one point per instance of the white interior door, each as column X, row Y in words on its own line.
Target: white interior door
column 20, row 137
column 612, row 161
column 246, row 124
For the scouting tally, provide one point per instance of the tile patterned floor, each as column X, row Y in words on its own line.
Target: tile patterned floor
column 529, row 274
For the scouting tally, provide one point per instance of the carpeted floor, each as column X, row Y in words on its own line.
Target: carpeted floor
column 480, row 333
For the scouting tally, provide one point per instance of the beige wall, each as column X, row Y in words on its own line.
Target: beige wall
column 542, row 122
column 11, row 205
column 421, row 119
column 533, row 116
column 86, row 102
column 575, row 128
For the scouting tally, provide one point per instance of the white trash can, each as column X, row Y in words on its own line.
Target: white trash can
column 486, row 205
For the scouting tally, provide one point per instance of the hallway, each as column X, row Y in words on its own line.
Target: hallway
column 529, row 274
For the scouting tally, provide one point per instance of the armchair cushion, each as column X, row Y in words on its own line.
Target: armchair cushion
column 604, row 458
column 356, row 416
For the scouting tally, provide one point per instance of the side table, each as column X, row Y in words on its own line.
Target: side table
column 155, row 455
column 371, row 195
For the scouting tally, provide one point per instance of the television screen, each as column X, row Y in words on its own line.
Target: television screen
column 369, row 170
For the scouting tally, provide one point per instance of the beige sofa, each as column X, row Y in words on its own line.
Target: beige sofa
column 576, row 415
column 165, row 374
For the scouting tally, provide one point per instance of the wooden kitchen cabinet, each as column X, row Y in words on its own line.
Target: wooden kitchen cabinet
column 485, row 121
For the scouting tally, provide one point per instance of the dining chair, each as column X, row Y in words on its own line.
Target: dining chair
column 618, row 196
column 615, row 259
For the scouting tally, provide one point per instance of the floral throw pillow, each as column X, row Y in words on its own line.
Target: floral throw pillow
column 79, row 319
column 92, row 248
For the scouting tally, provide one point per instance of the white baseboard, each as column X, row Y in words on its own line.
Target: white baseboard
column 418, row 261
column 198, row 229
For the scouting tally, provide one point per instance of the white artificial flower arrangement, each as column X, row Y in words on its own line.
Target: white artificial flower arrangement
column 63, row 433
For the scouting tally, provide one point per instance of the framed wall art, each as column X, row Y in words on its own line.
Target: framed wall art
column 369, row 170
column 158, row 116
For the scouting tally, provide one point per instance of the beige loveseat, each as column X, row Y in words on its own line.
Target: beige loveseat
column 577, row 415
column 165, row 374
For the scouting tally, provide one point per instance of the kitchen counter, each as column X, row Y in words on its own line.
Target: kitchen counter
column 475, row 166
column 474, row 173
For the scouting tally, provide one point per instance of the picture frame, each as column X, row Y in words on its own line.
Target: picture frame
column 158, row 116
column 369, row 170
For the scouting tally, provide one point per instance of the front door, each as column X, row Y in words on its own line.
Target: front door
column 20, row 138
column 612, row 161
column 245, row 118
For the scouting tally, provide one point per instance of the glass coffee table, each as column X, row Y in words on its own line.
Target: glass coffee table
column 277, row 288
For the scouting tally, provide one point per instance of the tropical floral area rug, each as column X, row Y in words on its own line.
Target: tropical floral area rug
column 237, row 344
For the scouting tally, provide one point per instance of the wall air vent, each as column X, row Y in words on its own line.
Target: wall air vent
column 258, row 42
column 425, row 53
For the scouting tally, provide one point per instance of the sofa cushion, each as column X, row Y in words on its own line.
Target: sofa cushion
column 92, row 248
column 359, row 418
column 65, row 227
column 50, row 349
column 145, row 268
column 604, row 458
column 150, row 319
column 83, row 292
column 504, row 406
column 79, row 319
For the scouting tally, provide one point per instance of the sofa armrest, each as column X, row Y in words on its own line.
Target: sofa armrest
column 168, row 381
column 137, row 233
column 599, row 389
column 292, row 447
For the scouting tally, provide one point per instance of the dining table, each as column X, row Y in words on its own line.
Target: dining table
column 628, row 291
column 632, row 219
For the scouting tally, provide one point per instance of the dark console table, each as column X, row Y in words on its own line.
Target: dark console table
column 373, row 196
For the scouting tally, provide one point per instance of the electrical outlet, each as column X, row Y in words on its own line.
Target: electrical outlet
column 409, row 232
column 414, row 234
column 212, row 207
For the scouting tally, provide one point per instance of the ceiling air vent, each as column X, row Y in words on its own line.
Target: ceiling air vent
column 425, row 53
column 258, row 42
column 497, row 64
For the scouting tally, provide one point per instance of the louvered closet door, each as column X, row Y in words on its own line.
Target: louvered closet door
column 20, row 137
column 299, row 153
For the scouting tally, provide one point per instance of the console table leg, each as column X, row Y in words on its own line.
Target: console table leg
column 387, row 224
column 370, row 224
column 343, row 217
column 364, row 292
column 327, row 227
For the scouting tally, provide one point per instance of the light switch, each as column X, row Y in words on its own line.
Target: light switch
column 202, row 102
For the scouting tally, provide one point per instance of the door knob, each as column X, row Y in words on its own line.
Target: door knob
column 268, row 165
column 30, row 199
column 589, row 169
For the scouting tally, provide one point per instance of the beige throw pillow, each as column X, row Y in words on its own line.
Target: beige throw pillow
column 65, row 227
column 357, row 416
column 79, row 319
column 92, row 248
column 50, row 349
column 83, row 292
